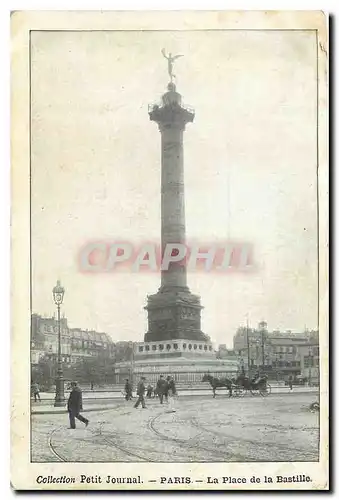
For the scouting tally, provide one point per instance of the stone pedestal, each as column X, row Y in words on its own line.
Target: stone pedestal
column 174, row 314
column 186, row 361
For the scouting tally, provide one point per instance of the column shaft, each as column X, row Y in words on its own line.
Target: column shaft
column 172, row 201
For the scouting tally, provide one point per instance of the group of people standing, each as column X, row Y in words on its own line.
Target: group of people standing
column 165, row 390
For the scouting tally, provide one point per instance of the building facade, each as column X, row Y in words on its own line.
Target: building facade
column 76, row 343
column 44, row 338
column 282, row 352
column 310, row 369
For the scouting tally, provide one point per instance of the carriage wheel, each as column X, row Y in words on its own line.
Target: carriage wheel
column 238, row 392
column 255, row 392
column 265, row 391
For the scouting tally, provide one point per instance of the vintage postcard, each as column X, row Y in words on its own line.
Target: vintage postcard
column 169, row 251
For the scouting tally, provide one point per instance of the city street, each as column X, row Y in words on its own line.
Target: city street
column 277, row 428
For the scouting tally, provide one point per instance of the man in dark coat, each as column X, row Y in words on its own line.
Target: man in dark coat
column 171, row 386
column 74, row 406
column 128, row 390
column 161, row 388
column 140, row 393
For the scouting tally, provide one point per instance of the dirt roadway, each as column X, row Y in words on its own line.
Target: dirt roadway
column 276, row 428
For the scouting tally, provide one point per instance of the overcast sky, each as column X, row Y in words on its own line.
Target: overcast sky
column 250, row 170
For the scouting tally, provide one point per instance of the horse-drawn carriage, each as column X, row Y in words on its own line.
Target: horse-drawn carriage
column 240, row 386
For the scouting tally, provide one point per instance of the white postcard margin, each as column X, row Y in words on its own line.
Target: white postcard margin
column 24, row 474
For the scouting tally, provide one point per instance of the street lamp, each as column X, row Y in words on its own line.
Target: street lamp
column 58, row 296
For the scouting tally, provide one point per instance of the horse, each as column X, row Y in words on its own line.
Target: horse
column 216, row 382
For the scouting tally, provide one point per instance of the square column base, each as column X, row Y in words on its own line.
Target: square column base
column 174, row 314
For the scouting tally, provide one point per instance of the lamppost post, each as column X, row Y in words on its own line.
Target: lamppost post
column 58, row 296
column 248, row 348
column 276, row 366
column 131, row 345
column 257, row 359
column 263, row 348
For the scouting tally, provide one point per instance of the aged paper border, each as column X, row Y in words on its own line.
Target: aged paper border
column 23, row 472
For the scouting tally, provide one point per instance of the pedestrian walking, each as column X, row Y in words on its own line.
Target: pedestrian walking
column 161, row 389
column 128, row 390
column 92, row 386
column 36, row 392
column 140, row 393
column 172, row 392
column 290, row 382
column 149, row 391
column 74, row 406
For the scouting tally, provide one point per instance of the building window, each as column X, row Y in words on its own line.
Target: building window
column 161, row 347
column 205, row 347
column 168, row 347
column 190, row 346
column 147, row 348
column 200, row 347
column 141, row 348
column 154, row 347
column 184, row 346
column 210, row 348
column 175, row 346
column 195, row 346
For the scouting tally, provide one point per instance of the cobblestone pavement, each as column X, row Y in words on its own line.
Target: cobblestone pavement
column 276, row 428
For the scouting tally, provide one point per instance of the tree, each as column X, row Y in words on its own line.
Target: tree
column 44, row 372
column 96, row 369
